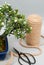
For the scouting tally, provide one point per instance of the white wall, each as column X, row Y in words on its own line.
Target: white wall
column 27, row 6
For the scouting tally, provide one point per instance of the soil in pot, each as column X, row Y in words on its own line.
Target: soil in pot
column 2, row 44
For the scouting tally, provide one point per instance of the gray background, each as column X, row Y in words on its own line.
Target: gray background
column 27, row 7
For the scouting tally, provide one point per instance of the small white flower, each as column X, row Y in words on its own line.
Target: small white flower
column 2, row 23
column 24, row 22
column 20, row 19
column 15, row 20
column 23, row 32
column 19, row 32
column 0, row 8
column 31, row 28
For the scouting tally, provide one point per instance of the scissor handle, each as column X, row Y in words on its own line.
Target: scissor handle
column 33, row 59
column 28, row 60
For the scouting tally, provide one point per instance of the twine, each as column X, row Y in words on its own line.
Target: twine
column 35, row 22
column 11, row 59
column 37, row 47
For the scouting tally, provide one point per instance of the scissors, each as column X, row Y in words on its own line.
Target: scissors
column 24, row 55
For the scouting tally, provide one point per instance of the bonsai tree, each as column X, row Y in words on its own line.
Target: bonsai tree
column 13, row 22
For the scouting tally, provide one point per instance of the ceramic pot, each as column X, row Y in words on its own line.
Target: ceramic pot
column 3, row 53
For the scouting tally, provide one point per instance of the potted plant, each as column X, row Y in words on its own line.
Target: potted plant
column 13, row 23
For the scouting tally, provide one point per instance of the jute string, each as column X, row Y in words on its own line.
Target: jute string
column 36, row 47
column 35, row 21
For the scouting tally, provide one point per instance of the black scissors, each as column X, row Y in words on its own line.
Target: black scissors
column 20, row 57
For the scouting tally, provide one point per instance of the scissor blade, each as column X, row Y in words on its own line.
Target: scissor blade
column 16, row 51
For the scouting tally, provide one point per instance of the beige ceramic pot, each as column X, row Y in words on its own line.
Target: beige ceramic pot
column 33, row 38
